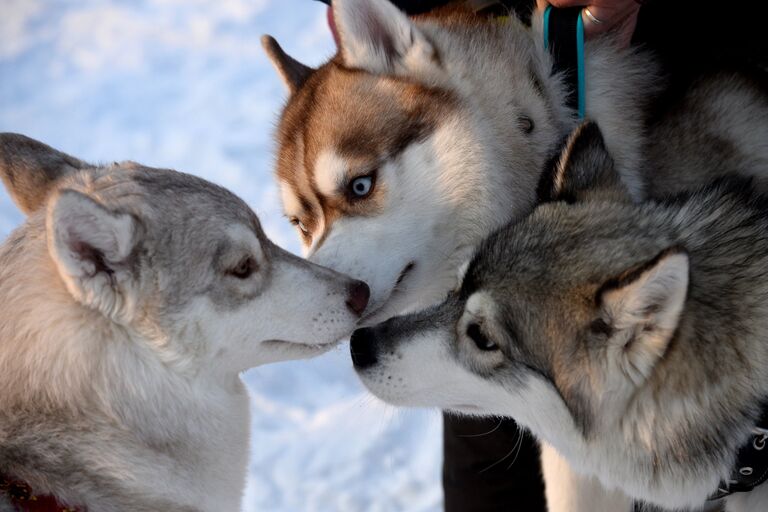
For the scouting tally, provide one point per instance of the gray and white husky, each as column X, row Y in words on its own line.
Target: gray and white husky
column 632, row 338
column 131, row 299
column 423, row 135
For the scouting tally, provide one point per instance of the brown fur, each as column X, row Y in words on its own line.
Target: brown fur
column 398, row 112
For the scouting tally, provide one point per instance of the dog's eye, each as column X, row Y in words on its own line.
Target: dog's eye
column 481, row 341
column 244, row 269
column 296, row 222
column 525, row 123
column 361, row 187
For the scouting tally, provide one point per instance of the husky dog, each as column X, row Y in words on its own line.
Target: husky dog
column 423, row 135
column 131, row 299
column 632, row 338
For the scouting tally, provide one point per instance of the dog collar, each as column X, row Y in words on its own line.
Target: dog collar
column 751, row 467
column 23, row 499
column 564, row 37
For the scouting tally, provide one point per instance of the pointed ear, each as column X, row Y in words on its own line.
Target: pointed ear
column 292, row 72
column 583, row 169
column 92, row 248
column 377, row 37
column 643, row 307
column 29, row 169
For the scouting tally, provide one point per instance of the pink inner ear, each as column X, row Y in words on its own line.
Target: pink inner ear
column 332, row 25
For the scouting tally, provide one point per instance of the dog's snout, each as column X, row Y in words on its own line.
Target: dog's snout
column 362, row 345
column 359, row 293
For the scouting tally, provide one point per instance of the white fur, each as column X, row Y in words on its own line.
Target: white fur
column 330, row 172
column 415, row 227
column 291, row 205
column 588, row 492
column 151, row 391
column 378, row 37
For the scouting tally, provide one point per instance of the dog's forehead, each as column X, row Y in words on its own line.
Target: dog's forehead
column 167, row 199
column 562, row 249
column 344, row 121
column 527, row 261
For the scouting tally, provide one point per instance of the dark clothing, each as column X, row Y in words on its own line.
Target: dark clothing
column 490, row 465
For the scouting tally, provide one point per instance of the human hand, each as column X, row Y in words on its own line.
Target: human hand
column 601, row 16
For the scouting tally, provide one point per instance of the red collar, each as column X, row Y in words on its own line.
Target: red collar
column 21, row 496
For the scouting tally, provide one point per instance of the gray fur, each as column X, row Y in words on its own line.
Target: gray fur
column 719, row 127
column 31, row 167
column 675, row 435
column 124, row 328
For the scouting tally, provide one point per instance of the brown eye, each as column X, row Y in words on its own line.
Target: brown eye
column 481, row 341
column 525, row 123
column 296, row 222
column 244, row 269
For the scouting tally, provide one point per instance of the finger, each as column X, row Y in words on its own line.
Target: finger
column 627, row 30
column 606, row 18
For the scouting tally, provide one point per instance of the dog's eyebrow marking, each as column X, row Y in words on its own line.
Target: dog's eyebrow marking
column 306, row 205
column 415, row 132
column 375, row 144
column 330, row 169
column 290, row 198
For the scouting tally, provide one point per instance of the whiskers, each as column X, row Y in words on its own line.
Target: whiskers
column 494, row 429
column 515, row 450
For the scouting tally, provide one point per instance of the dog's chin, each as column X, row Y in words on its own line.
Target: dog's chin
column 395, row 301
column 466, row 409
column 274, row 351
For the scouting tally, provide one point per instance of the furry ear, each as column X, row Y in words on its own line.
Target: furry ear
column 377, row 37
column 583, row 169
column 643, row 307
column 292, row 72
column 92, row 247
column 29, row 169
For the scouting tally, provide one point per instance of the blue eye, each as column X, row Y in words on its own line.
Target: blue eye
column 361, row 187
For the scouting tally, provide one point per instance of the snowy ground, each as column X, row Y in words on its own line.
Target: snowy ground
column 184, row 84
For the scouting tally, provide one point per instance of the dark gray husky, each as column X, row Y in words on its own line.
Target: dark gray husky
column 632, row 338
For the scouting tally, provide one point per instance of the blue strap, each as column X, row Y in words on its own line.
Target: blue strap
column 564, row 38
column 582, row 80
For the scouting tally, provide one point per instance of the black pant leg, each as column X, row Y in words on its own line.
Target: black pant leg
column 476, row 479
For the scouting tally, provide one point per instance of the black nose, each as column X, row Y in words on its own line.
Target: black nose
column 362, row 345
column 359, row 293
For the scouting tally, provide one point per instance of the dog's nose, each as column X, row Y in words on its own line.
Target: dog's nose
column 363, row 348
column 359, row 293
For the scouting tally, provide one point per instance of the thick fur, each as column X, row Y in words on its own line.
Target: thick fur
column 631, row 338
column 124, row 327
column 453, row 117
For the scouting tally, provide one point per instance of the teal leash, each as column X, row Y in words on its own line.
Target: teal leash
column 564, row 36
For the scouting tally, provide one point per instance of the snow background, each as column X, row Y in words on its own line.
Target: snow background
column 184, row 84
